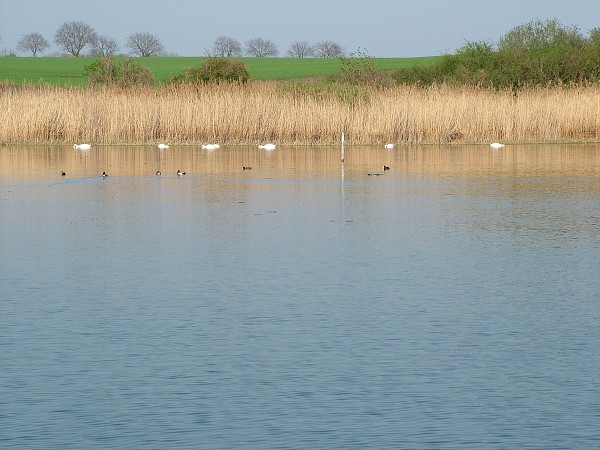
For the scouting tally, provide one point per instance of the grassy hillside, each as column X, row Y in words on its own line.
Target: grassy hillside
column 70, row 71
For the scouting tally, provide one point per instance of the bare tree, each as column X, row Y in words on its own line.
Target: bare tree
column 33, row 42
column 105, row 46
column 300, row 49
column 145, row 44
column 226, row 46
column 261, row 48
column 328, row 49
column 74, row 36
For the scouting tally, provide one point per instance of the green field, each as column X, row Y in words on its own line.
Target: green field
column 70, row 70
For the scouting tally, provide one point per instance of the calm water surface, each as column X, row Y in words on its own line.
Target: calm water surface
column 453, row 302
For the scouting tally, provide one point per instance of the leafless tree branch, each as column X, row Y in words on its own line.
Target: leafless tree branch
column 33, row 42
column 74, row 36
column 261, row 48
column 144, row 44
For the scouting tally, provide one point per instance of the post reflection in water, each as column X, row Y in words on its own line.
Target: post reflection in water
column 451, row 301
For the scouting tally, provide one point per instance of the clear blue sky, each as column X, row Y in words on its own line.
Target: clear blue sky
column 384, row 28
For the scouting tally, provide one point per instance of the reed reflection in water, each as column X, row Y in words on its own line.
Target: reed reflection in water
column 451, row 302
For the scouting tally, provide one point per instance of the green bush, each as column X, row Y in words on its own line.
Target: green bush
column 536, row 53
column 101, row 71
column 132, row 74
column 537, row 35
column 108, row 71
column 360, row 69
column 215, row 70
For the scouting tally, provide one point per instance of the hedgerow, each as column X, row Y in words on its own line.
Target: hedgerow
column 544, row 53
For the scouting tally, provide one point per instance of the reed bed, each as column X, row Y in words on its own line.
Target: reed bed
column 263, row 111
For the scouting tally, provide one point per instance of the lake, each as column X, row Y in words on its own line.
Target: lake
column 452, row 301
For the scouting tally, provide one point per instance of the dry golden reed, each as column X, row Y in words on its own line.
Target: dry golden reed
column 262, row 111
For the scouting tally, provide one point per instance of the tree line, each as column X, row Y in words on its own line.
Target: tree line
column 74, row 37
column 227, row 46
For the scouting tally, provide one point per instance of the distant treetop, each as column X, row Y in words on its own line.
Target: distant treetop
column 145, row 44
column 74, row 36
column 33, row 42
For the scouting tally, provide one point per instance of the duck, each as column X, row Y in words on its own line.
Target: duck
column 104, row 175
column 496, row 145
column 158, row 172
column 82, row 146
column 267, row 146
column 389, row 145
column 210, row 146
column 246, row 168
column 163, row 146
column 179, row 173
column 386, row 168
column 62, row 173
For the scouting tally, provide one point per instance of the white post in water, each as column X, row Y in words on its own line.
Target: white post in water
column 342, row 149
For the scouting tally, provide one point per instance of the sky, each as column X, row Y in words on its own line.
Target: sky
column 379, row 28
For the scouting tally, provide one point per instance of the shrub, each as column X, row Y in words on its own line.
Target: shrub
column 108, row 71
column 132, row 74
column 102, row 71
column 534, row 54
column 536, row 35
column 215, row 70
column 360, row 69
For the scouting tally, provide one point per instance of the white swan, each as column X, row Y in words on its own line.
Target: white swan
column 389, row 145
column 496, row 145
column 163, row 146
column 210, row 146
column 82, row 146
column 267, row 146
